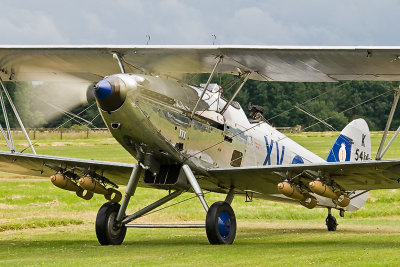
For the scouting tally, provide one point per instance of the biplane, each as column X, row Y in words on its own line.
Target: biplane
column 191, row 138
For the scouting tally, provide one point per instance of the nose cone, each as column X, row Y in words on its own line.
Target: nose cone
column 110, row 93
column 102, row 89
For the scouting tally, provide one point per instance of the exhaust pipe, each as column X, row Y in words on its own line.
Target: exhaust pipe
column 66, row 183
column 94, row 186
column 324, row 190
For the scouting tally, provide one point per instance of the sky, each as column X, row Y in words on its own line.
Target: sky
column 184, row 22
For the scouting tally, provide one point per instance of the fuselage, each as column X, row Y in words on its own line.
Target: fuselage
column 151, row 117
column 155, row 116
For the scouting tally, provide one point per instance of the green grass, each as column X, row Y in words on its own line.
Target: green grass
column 43, row 225
column 259, row 245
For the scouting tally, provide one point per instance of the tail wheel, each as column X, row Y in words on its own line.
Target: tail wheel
column 331, row 223
column 107, row 231
column 220, row 223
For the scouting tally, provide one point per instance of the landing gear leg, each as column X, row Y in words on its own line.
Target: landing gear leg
column 331, row 222
column 195, row 185
column 220, row 219
column 341, row 213
column 109, row 229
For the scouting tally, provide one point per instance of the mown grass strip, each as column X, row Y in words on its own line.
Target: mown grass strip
column 31, row 223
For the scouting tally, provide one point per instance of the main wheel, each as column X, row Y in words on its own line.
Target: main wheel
column 107, row 232
column 220, row 223
column 331, row 223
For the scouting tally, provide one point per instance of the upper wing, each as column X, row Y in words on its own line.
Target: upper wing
column 351, row 176
column 292, row 64
column 41, row 165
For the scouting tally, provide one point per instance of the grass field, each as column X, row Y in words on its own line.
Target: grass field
column 43, row 225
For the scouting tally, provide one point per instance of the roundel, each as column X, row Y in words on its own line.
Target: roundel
column 297, row 160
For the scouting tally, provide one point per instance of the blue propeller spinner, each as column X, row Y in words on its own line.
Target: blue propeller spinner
column 103, row 89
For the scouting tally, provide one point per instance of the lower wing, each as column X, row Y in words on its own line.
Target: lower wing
column 345, row 177
column 43, row 165
column 367, row 175
column 342, row 185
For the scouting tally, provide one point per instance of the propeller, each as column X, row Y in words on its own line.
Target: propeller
column 41, row 102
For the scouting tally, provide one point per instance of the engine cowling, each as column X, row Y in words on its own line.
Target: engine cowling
column 110, row 93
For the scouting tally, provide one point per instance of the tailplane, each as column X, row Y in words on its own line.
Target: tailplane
column 353, row 144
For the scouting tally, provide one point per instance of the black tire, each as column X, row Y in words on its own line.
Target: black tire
column 106, row 231
column 220, row 224
column 331, row 223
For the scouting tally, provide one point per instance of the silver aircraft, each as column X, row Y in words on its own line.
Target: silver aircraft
column 190, row 138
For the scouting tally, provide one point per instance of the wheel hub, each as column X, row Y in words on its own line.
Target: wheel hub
column 113, row 226
column 224, row 224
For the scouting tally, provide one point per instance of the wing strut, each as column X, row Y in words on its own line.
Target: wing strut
column 207, row 84
column 380, row 154
column 117, row 57
column 16, row 115
column 246, row 76
column 8, row 137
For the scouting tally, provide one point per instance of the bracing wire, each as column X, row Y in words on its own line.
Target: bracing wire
column 61, row 125
column 347, row 109
column 312, row 115
column 258, row 124
column 359, row 104
column 311, row 99
column 69, row 114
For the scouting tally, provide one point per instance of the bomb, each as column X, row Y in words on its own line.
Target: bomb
column 94, row 186
column 324, row 190
column 292, row 191
column 66, row 183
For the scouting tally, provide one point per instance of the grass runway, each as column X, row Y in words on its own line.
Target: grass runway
column 43, row 225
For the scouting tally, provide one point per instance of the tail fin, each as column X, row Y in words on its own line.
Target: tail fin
column 353, row 144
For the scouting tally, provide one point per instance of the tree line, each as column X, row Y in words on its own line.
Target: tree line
column 284, row 103
column 336, row 103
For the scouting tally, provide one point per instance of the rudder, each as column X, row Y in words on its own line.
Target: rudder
column 353, row 143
